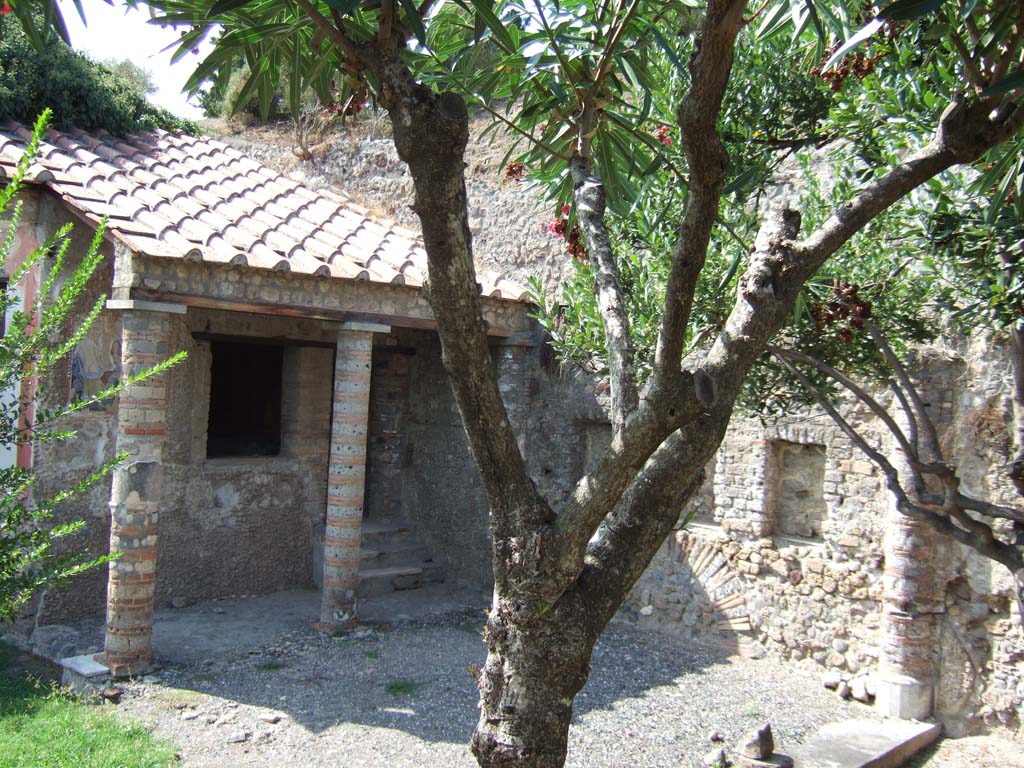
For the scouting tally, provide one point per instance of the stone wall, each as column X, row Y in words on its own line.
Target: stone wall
column 743, row 577
column 442, row 496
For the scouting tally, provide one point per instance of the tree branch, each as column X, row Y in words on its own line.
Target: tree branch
column 909, row 450
column 431, row 132
column 708, row 162
column 334, row 30
column 1012, row 53
column 589, row 195
column 922, row 418
column 588, row 99
column 953, row 519
column 386, row 23
column 964, row 134
column 990, row 510
column 974, row 74
column 908, row 412
column 648, row 511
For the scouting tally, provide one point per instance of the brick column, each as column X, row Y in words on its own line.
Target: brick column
column 135, row 487
column 916, row 571
column 911, row 602
column 346, row 475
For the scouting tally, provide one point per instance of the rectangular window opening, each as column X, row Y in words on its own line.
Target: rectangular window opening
column 796, row 487
column 245, row 400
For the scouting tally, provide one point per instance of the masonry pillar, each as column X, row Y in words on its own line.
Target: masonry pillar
column 346, row 475
column 135, row 487
column 912, row 600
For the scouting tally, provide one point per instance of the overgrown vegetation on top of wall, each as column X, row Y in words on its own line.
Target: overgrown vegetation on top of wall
column 82, row 93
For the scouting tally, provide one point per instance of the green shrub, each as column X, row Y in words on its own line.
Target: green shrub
column 32, row 555
column 80, row 92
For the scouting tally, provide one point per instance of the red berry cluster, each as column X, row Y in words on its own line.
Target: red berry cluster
column 574, row 244
column 845, row 307
column 559, row 227
column 515, row 172
column 859, row 64
column 5, row 8
column 663, row 133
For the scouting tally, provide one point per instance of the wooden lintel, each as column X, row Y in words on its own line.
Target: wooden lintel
column 310, row 313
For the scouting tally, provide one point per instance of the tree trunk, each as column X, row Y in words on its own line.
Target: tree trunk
column 527, row 686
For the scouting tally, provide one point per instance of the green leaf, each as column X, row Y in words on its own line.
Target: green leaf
column 414, row 20
column 867, row 31
column 774, row 21
column 223, row 6
column 485, row 11
column 1008, row 83
column 908, row 10
column 663, row 44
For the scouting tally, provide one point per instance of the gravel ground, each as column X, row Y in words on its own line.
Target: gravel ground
column 994, row 750
column 402, row 697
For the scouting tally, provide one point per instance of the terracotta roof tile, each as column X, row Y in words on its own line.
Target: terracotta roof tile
column 195, row 198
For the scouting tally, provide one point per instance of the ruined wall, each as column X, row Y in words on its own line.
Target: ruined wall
column 387, row 437
column 744, row 578
column 980, row 640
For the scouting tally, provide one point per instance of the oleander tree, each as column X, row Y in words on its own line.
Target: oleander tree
column 593, row 91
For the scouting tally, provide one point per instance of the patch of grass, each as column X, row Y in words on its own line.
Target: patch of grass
column 402, row 687
column 751, row 710
column 41, row 726
column 372, row 654
column 270, row 665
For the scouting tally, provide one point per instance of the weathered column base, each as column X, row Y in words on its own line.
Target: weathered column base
column 904, row 697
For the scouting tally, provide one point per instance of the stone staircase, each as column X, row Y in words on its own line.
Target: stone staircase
column 392, row 558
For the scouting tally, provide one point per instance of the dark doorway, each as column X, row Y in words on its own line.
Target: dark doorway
column 245, row 400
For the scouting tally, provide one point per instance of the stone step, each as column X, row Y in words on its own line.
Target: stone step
column 386, row 555
column 378, row 581
column 379, row 535
column 865, row 744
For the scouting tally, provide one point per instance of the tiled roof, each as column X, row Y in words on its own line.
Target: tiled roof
column 195, row 198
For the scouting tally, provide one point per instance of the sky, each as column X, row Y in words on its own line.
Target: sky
column 114, row 32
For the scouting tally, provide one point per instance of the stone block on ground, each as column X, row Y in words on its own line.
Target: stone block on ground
column 715, row 758
column 758, row 744
column 775, row 761
column 865, row 744
column 83, row 673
